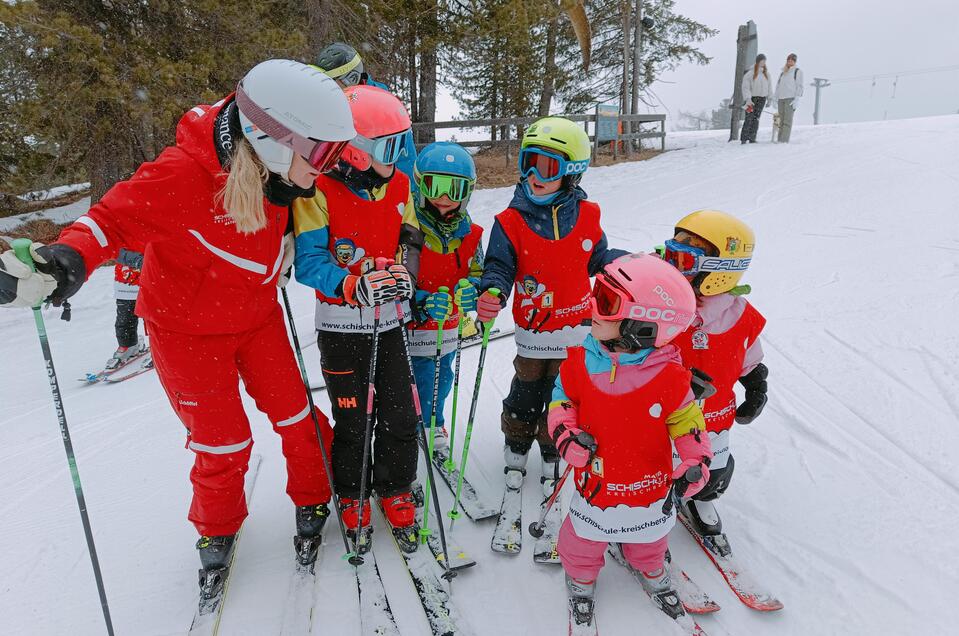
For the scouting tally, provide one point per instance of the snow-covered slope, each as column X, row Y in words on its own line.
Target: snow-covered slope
column 845, row 497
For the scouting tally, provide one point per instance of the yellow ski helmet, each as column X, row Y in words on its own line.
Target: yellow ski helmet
column 732, row 238
column 559, row 133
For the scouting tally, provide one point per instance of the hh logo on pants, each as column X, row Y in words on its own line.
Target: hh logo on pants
column 346, row 402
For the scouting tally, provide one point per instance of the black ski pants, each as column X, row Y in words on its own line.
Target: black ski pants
column 751, row 125
column 346, row 362
column 127, row 323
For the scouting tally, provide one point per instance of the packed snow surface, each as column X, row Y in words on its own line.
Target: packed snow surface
column 845, row 497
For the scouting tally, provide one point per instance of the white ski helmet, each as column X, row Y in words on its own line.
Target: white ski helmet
column 288, row 107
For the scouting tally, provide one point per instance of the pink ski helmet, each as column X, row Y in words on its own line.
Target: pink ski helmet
column 652, row 299
column 381, row 123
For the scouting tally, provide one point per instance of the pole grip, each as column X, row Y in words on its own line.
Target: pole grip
column 21, row 247
column 382, row 262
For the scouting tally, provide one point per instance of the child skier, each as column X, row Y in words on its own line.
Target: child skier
column 445, row 177
column 363, row 210
column 126, row 288
column 547, row 244
column 621, row 400
column 712, row 250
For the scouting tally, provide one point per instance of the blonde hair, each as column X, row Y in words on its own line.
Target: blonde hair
column 242, row 195
column 756, row 71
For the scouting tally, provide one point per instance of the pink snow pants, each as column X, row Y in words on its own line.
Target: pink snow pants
column 583, row 559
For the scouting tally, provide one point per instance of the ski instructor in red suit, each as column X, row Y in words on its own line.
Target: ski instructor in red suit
column 212, row 217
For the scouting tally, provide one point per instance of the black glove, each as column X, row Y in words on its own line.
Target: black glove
column 701, row 384
column 755, row 384
column 66, row 266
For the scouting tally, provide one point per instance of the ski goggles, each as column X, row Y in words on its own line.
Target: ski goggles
column 548, row 166
column 322, row 155
column 609, row 301
column 386, row 149
column 457, row 188
column 691, row 260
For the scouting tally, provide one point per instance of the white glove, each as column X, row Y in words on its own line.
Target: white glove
column 289, row 253
column 373, row 288
column 21, row 287
column 404, row 282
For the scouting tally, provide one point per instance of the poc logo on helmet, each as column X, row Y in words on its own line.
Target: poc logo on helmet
column 638, row 312
column 576, row 167
column 659, row 291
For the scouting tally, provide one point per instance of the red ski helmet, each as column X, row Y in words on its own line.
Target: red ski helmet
column 381, row 123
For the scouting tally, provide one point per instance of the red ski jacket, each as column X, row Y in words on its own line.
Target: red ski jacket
column 200, row 276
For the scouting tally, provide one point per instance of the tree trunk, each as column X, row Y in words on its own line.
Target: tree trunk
column 624, row 101
column 109, row 146
column 427, row 97
column 549, row 74
column 318, row 21
column 637, row 54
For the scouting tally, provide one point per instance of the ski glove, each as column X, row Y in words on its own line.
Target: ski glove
column 701, row 384
column 466, row 294
column 373, row 288
column 755, row 384
column 286, row 267
column 576, row 446
column 404, row 282
column 60, row 273
column 749, row 108
column 439, row 306
column 694, row 450
column 488, row 306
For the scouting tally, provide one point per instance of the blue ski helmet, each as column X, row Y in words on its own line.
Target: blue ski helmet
column 445, row 158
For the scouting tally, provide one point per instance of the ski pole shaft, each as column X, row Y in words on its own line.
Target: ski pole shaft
column 356, row 559
column 449, row 463
column 441, row 325
column 401, row 315
column 316, row 422
column 21, row 248
column 487, row 328
column 536, row 529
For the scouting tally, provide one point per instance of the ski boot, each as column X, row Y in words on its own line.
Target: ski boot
column 659, row 588
column 515, row 469
column 123, row 355
column 416, row 489
column 216, row 554
column 309, row 532
column 350, row 509
column 400, row 512
column 704, row 519
column 550, row 466
column 582, row 619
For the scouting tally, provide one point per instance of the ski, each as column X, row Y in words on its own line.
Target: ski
column 94, row 378
column 579, row 628
column 298, row 607
column 472, row 341
column 544, row 550
column 508, row 535
column 470, row 500
column 206, row 620
column 694, row 599
column 459, row 560
column 145, row 366
column 443, row 618
column 740, row 582
column 376, row 616
column 669, row 604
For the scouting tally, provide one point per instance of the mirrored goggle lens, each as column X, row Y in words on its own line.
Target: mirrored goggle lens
column 436, row 185
column 608, row 302
column 351, row 79
column 683, row 257
column 387, row 150
column 326, row 154
column 547, row 167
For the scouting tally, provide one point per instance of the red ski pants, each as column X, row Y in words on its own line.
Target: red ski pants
column 200, row 374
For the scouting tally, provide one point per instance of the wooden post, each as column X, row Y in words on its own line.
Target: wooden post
column 747, row 44
column 820, row 84
column 662, row 140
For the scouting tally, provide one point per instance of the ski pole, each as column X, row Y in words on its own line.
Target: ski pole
column 357, row 559
column 449, row 464
column 678, row 488
column 21, row 248
column 536, row 528
column 487, row 328
column 316, row 423
column 401, row 315
column 441, row 325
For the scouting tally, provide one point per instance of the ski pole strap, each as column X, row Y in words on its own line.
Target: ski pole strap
column 21, row 247
column 488, row 326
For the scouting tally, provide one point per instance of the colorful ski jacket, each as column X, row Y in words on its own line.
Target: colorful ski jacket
column 126, row 275
column 444, row 260
column 548, row 253
column 634, row 405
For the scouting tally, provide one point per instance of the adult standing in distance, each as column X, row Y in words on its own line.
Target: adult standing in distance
column 756, row 90
column 212, row 217
column 789, row 89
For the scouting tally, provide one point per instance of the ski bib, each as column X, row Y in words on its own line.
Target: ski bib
column 360, row 231
column 442, row 270
column 721, row 356
column 551, row 295
column 126, row 275
column 620, row 494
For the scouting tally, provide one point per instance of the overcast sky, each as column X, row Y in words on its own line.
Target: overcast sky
column 834, row 39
